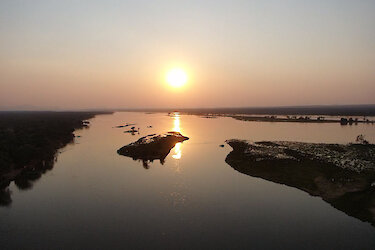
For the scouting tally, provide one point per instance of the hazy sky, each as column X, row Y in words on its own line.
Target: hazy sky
column 90, row 54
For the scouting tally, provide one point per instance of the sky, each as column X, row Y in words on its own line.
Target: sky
column 115, row 54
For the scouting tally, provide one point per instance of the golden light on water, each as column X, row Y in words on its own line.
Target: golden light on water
column 176, row 77
column 176, row 123
column 177, row 151
column 177, row 128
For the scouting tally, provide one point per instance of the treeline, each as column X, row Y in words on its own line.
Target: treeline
column 29, row 142
column 29, row 136
column 336, row 110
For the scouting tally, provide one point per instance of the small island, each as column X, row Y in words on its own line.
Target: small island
column 152, row 147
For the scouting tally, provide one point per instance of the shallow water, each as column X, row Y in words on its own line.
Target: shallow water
column 95, row 198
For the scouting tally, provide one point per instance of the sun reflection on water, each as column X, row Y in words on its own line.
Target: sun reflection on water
column 178, row 197
column 176, row 123
column 177, row 128
column 177, row 151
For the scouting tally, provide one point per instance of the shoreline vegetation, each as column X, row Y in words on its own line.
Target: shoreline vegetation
column 29, row 142
column 342, row 175
column 287, row 118
column 304, row 119
column 292, row 118
column 341, row 114
column 367, row 110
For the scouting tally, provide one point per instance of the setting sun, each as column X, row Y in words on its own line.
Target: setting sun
column 176, row 77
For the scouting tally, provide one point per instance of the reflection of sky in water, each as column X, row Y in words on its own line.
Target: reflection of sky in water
column 177, row 128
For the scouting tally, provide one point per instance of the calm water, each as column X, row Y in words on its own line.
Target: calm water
column 95, row 198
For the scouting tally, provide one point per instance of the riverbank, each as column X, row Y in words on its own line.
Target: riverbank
column 29, row 142
column 304, row 119
column 322, row 110
column 342, row 175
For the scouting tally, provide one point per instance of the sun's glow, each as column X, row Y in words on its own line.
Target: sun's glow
column 176, row 77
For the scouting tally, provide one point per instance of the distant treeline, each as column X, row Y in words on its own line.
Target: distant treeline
column 339, row 110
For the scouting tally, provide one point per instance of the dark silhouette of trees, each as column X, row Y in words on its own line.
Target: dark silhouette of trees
column 29, row 142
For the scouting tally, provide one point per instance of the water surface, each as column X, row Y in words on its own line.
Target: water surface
column 95, row 198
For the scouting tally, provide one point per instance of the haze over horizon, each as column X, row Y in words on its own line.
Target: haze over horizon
column 115, row 54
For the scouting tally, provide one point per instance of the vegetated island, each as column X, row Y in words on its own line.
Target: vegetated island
column 152, row 147
column 342, row 175
column 29, row 142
